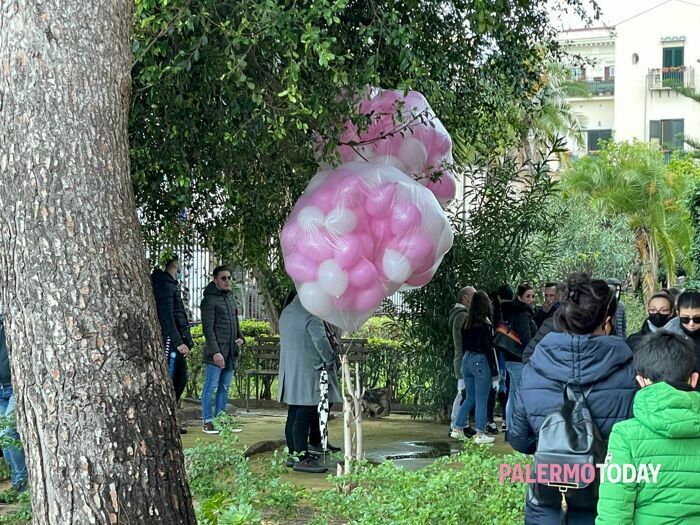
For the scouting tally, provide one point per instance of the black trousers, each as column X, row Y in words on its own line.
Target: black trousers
column 179, row 375
column 300, row 419
column 502, row 399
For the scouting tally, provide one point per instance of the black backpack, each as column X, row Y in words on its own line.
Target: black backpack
column 569, row 436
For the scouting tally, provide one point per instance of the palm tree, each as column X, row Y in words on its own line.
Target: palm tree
column 631, row 180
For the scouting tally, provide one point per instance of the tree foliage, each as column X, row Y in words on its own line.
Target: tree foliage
column 590, row 242
column 631, row 180
column 502, row 236
column 228, row 96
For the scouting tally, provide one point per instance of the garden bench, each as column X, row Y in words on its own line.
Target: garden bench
column 266, row 356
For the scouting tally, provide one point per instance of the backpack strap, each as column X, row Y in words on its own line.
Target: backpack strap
column 571, row 389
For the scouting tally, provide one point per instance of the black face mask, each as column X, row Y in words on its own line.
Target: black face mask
column 659, row 320
column 692, row 335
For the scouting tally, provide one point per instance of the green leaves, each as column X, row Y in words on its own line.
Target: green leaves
column 631, row 180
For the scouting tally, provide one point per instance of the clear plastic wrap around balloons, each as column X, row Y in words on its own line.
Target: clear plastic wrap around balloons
column 357, row 235
column 404, row 133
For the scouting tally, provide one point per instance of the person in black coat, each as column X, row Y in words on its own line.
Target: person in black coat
column 547, row 324
column 660, row 310
column 689, row 320
column 518, row 314
column 581, row 353
column 174, row 325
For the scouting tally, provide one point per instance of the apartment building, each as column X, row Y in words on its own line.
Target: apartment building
column 631, row 69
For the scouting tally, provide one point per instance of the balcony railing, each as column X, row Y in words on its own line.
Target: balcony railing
column 670, row 77
column 601, row 87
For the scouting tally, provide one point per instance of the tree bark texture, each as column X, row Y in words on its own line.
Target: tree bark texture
column 96, row 409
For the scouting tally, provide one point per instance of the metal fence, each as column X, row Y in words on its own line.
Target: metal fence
column 197, row 266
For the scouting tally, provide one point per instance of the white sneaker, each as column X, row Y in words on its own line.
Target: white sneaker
column 457, row 434
column 483, row 439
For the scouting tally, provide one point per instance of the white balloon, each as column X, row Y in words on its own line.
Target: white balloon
column 413, row 155
column 314, row 299
column 310, row 218
column 392, row 161
column 341, row 221
column 318, row 179
column 332, row 278
column 396, row 266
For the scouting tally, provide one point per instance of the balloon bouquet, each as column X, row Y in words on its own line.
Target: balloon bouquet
column 373, row 225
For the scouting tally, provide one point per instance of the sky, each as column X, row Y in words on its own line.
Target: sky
column 614, row 11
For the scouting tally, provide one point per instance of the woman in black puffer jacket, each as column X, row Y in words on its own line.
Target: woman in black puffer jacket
column 582, row 353
column 519, row 315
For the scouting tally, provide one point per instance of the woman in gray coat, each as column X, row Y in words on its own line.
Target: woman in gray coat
column 304, row 351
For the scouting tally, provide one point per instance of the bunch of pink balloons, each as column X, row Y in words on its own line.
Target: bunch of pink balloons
column 403, row 132
column 358, row 234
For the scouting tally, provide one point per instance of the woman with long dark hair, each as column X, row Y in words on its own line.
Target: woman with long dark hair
column 582, row 354
column 519, row 315
column 689, row 320
column 479, row 368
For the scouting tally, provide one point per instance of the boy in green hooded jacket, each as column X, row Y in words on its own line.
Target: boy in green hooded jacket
column 664, row 432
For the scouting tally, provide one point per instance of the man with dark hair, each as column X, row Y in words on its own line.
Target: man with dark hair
column 174, row 325
column 664, row 432
column 549, row 294
column 456, row 319
column 548, row 324
column 223, row 339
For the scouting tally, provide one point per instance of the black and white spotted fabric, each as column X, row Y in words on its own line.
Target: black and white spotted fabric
column 323, row 408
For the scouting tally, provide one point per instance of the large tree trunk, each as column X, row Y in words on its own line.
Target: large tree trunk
column 96, row 409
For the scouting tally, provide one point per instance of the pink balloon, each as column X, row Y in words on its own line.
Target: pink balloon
column 346, row 302
column 381, row 231
column 420, row 279
column 445, row 188
column 362, row 274
column 380, row 201
column 324, row 198
column 419, row 248
column 316, row 247
column 405, row 217
column 348, row 249
column 351, row 191
column 367, row 245
column 300, row 268
column 369, row 298
column 290, row 236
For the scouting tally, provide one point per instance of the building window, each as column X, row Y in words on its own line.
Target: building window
column 596, row 136
column 578, row 73
column 609, row 72
column 667, row 133
column 673, row 57
column 635, row 58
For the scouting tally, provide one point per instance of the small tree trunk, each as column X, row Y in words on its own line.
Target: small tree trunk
column 650, row 262
column 357, row 399
column 96, row 410
column 347, row 413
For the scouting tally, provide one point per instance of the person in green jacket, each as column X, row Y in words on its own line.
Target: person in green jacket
column 664, row 431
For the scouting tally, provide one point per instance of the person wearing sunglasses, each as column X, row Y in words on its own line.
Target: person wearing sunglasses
column 689, row 319
column 223, row 340
column 660, row 312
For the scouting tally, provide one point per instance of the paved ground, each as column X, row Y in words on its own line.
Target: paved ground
column 410, row 443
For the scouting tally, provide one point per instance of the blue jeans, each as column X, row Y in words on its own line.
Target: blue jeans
column 13, row 455
column 515, row 370
column 456, row 405
column 477, row 382
column 218, row 379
